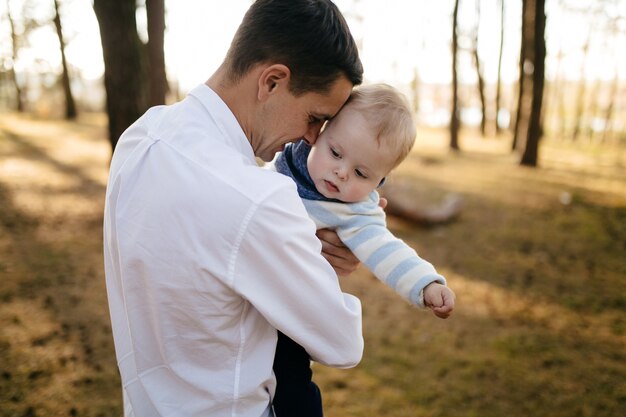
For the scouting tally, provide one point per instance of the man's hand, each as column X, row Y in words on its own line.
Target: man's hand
column 336, row 253
column 440, row 299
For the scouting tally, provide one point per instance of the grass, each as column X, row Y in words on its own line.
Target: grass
column 539, row 330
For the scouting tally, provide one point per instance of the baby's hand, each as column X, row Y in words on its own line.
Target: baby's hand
column 440, row 299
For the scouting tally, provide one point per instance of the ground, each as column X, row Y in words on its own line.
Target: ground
column 537, row 259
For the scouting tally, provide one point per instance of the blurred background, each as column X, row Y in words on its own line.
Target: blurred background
column 52, row 50
column 515, row 191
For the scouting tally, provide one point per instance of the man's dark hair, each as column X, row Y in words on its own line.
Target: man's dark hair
column 311, row 37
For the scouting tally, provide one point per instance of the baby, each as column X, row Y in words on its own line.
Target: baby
column 337, row 179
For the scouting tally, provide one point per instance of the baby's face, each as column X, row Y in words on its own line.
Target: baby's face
column 346, row 163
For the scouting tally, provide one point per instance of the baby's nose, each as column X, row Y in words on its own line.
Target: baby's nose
column 341, row 173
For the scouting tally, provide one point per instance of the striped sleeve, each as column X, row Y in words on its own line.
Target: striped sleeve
column 362, row 228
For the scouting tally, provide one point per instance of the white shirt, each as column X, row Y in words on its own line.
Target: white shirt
column 206, row 254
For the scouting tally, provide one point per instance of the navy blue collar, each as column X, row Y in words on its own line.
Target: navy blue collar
column 292, row 162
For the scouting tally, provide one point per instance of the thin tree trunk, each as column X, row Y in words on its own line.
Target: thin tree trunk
column 155, row 10
column 454, row 114
column 415, row 87
column 608, row 116
column 582, row 92
column 531, row 151
column 479, row 74
column 499, row 82
column 593, row 99
column 521, row 118
column 70, row 105
column 19, row 99
column 123, row 64
column 556, row 97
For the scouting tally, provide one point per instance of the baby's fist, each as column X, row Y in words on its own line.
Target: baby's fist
column 440, row 299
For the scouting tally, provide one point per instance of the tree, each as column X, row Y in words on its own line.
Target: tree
column 70, row 106
column 520, row 84
column 610, row 109
column 531, row 150
column 556, row 100
column 155, row 10
column 582, row 91
column 19, row 95
column 499, row 80
column 454, row 114
column 124, row 79
column 479, row 72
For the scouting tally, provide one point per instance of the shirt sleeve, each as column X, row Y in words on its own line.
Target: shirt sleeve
column 279, row 269
column 362, row 228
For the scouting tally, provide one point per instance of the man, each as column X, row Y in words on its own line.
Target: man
column 206, row 255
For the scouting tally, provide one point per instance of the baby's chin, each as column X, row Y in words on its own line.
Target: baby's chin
column 325, row 193
column 347, row 200
column 355, row 199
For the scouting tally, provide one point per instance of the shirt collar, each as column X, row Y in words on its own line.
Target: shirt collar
column 224, row 119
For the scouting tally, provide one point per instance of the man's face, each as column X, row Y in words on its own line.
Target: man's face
column 287, row 118
column 347, row 163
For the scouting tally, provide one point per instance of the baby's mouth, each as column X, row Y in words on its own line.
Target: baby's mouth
column 331, row 187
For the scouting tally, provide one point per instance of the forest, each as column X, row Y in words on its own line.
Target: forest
column 515, row 191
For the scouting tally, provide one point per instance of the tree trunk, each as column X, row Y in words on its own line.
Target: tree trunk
column 557, row 112
column 454, row 114
column 593, row 109
column 582, row 91
column 521, row 118
column 70, row 105
column 531, row 151
column 608, row 115
column 499, row 82
column 19, row 99
column 479, row 74
column 123, row 75
column 415, row 88
column 157, row 77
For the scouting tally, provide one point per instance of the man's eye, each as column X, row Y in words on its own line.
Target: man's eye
column 360, row 174
column 314, row 120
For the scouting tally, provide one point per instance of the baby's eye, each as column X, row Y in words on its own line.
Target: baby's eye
column 335, row 153
column 360, row 173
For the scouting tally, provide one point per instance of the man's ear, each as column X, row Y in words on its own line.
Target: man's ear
column 272, row 78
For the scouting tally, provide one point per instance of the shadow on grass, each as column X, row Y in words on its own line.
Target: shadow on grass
column 55, row 346
column 27, row 151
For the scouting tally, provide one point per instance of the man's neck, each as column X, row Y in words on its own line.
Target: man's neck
column 238, row 96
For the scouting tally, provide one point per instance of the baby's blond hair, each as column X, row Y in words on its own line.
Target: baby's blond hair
column 387, row 112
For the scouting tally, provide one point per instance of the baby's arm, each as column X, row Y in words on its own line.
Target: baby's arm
column 340, row 257
column 404, row 269
column 395, row 263
column 362, row 228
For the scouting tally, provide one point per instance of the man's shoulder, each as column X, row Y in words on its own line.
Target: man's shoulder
column 262, row 183
column 235, row 183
